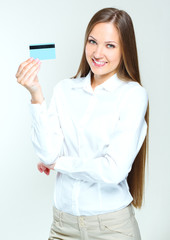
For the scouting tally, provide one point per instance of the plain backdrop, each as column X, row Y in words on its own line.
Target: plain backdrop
column 26, row 196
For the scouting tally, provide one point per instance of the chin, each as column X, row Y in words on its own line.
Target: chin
column 102, row 73
column 99, row 72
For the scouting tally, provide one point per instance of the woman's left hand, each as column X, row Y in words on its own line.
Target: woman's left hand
column 44, row 168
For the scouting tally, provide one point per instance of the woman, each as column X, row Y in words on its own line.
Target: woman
column 94, row 134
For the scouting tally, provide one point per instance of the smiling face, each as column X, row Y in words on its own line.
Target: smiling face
column 103, row 51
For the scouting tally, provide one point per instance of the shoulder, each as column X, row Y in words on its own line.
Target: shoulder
column 134, row 96
column 134, row 101
column 136, row 91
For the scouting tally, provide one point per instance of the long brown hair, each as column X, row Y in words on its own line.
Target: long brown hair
column 128, row 69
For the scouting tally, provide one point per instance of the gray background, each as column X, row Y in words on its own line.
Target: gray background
column 26, row 196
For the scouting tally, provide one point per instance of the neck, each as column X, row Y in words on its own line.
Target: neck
column 99, row 79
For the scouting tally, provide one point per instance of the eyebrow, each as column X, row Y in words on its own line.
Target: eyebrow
column 106, row 41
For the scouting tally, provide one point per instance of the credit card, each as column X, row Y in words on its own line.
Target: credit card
column 43, row 51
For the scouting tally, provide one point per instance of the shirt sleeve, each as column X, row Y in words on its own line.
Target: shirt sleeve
column 125, row 143
column 46, row 135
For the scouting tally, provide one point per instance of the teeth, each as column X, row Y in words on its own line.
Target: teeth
column 100, row 63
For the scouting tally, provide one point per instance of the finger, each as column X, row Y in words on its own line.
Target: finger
column 26, row 71
column 30, row 75
column 35, row 68
column 22, row 65
column 47, row 171
column 31, row 82
column 39, row 168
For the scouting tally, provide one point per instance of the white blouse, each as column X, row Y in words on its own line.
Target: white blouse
column 93, row 137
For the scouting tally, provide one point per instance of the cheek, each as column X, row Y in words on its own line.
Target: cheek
column 88, row 53
column 115, row 58
column 89, row 50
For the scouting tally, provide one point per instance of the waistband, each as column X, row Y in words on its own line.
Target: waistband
column 91, row 221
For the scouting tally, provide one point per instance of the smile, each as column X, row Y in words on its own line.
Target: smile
column 98, row 63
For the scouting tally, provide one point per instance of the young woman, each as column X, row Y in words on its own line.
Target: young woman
column 94, row 134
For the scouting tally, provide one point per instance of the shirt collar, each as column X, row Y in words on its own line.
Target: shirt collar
column 109, row 85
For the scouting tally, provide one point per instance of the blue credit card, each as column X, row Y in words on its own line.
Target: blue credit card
column 43, row 51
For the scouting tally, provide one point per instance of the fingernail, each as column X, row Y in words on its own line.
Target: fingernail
column 37, row 60
column 31, row 58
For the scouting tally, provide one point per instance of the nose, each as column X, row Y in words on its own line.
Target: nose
column 98, row 52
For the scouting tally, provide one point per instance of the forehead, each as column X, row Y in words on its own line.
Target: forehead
column 105, row 32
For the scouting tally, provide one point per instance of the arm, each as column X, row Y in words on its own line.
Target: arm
column 47, row 136
column 126, row 142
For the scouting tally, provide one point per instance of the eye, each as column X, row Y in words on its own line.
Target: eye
column 110, row 46
column 91, row 41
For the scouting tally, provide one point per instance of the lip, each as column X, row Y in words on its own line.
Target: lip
column 98, row 63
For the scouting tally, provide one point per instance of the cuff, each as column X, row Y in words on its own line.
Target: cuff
column 37, row 109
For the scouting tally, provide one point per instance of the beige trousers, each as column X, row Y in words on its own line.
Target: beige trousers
column 119, row 225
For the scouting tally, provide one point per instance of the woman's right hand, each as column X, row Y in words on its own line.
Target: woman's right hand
column 27, row 77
